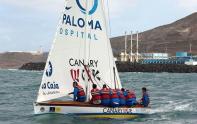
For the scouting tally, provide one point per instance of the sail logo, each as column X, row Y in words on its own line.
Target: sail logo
column 81, row 74
column 67, row 8
column 49, row 70
column 50, row 85
column 74, row 23
column 75, row 74
column 90, row 12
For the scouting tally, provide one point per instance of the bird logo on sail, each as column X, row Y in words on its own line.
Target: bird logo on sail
column 67, row 8
column 73, row 22
column 83, row 10
column 49, row 69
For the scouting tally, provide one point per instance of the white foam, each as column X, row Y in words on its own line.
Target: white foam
column 13, row 69
column 184, row 107
column 173, row 106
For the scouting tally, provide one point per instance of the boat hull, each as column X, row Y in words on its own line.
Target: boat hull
column 86, row 110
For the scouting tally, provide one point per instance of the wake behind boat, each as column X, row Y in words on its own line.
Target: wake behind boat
column 81, row 53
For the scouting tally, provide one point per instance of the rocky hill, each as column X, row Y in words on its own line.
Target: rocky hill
column 170, row 38
column 15, row 60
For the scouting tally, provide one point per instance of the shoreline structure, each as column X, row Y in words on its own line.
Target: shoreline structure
column 131, row 67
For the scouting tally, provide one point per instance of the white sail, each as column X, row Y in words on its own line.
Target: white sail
column 81, row 39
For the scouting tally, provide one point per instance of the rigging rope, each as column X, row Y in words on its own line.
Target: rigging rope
column 109, row 18
column 89, row 75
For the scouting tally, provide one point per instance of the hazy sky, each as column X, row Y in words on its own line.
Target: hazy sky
column 27, row 24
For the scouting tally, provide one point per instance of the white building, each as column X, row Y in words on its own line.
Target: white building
column 124, row 57
column 38, row 52
column 155, row 55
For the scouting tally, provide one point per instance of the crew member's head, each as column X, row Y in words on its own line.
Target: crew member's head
column 94, row 86
column 144, row 89
column 75, row 84
column 122, row 89
column 104, row 86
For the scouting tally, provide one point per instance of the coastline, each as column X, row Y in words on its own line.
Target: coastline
column 130, row 67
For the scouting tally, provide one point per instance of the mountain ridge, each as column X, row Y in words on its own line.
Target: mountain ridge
column 173, row 37
column 169, row 38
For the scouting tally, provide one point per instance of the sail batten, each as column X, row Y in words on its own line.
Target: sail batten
column 81, row 39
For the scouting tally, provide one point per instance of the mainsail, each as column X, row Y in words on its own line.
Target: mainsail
column 81, row 47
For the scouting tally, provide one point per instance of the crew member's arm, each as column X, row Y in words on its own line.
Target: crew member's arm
column 71, row 93
column 140, row 101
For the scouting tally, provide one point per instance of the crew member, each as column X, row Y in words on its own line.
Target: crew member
column 105, row 96
column 131, row 98
column 115, row 101
column 122, row 97
column 145, row 98
column 96, row 97
column 79, row 94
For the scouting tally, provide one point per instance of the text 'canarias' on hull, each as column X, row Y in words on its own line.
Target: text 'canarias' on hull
column 81, row 52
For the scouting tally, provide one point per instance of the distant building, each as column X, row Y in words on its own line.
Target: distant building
column 163, row 58
column 181, row 54
column 124, row 57
column 154, row 55
column 14, row 52
column 38, row 52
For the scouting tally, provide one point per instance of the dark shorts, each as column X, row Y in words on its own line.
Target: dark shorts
column 81, row 99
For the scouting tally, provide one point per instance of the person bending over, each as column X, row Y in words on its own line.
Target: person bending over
column 96, row 96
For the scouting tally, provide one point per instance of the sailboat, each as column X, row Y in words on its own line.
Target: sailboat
column 81, row 52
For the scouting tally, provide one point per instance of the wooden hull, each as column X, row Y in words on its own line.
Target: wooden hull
column 87, row 110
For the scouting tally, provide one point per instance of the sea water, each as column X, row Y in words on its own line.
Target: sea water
column 173, row 99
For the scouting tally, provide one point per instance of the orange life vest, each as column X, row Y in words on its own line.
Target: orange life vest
column 95, row 94
column 81, row 91
column 130, row 95
column 105, row 94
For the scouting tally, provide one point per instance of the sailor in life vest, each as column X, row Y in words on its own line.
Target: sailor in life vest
column 79, row 94
column 96, row 97
column 131, row 98
column 105, row 96
column 122, row 94
column 115, row 101
column 145, row 98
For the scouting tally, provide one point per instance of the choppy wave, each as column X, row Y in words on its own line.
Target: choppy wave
column 173, row 98
column 174, row 107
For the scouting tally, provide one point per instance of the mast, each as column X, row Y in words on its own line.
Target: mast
column 190, row 48
column 131, row 54
column 137, row 46
column 86, row 53
column 125, row 49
